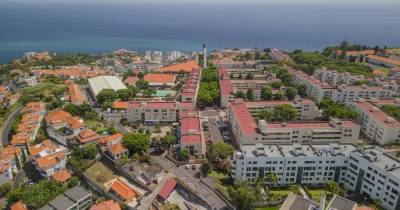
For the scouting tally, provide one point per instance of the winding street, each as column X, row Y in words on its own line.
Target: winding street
column 5, row 129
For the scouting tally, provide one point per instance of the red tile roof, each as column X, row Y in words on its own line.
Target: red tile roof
column 160, row 105
column 61, row 176
column 159, row 78
column 117, row 148
column 18, row 206
column 88, row 135
column 117, row 136
column 191, row 139
column 190, row 125
column 168, row 187
column 246, row 122
column 123, row 190
column 383, row 59
column 226, row 87
column 377, row 114
column 106, row 205
column 120, row 105
column 75, row 94
column 131, row 81
column 187, row 67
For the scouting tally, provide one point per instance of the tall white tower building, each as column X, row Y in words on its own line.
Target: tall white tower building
column 204, row 56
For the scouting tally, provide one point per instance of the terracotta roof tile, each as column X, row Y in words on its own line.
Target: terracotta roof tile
column 123, row 190
column 187, row 67
column 107, row 205
column 159, row 78
column 61, row 176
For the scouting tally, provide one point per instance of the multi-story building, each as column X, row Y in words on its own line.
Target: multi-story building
column 246, row 130
column 160, row 80
column 156, row 112
column 74, row 198
column 376, row 175
column 314, row 88
column 306, row 108
column 335, row 78
column 348, row 94
column 243, row 126
column 11, row 158
column 191, row 88
column 293, row 164
column 353, row 55
column 337, row 131
column 375, row 123
column 61, row 126
column 112, row 146
column 226, row 90
column 191, row 138
column 382, row 61
column 75, row 94
column 279, row 55
column 48, row 157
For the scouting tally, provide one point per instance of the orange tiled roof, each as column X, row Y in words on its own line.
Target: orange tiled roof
column 20, row 139
column 75, row 122
column 383, row 59
column 4, row 166
column 46, row 144
column 75, row 93
column 111, row 138
column 131, row 80
column 159, row 78
column 123, row 190
column 18, row 206
column 117, row 148
column 9, row 152
column 34, row 107
column 49, row 160
column 107, row 205
column 120, row 105
column 30, row 117
column 61, row 176
column 187, row 67
column 88, row 135
column 57, row 116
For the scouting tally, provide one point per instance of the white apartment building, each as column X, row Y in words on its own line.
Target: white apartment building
column 293, row 164
column 314, row 88
column 48, row 157
column 334, row 131
column 375, row 123
column 246, row 130
column 375, row 175
column 335, row 78
column 160, row 112
column 306, row 108
column 347, row 94
column 279, row 55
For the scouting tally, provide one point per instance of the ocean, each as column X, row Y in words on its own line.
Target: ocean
column 102, row 27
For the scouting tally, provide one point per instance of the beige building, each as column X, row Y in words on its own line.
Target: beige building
column 376, row 124
column 335, row 78
column 306, row 108
column 314, row 88
column 160, row 112
column 347, row 94
column 333, row 131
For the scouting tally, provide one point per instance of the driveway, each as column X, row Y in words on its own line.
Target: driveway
column 187, row 177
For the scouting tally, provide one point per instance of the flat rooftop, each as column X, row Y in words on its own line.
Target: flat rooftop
column 304, row 150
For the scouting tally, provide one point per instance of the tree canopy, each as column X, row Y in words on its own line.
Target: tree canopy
column 106, row 95
column 136, row 142
column 209, row 89
column 333, row 109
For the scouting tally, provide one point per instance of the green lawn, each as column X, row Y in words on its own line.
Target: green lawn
column 95, row 125
column 316, row 194
column 222, row 182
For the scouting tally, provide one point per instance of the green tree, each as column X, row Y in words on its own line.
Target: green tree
column 302, row 90
column 291, row 93
column 74, row 181
column 124, row 94
column 136, row 142
column 205, row 168
column 284, row 112
column 106, row 95
column 276, row 84
column 265, row 115
column 333, row 109
column 277, row 96
column 220, row 151
column 88, row 151
column 184, row 154
column 266, row 93
column 168, row 140
column 141, row 84
column 250, row 95
column 242, row 197
column 240, row 94
column 5, row 189
column 333, row 187
column 72, row 109
column 149, row 92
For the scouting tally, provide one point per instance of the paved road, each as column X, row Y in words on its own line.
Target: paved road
column 214, row 130
column 146, row 202
column 188, row 178
column 5, row 129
